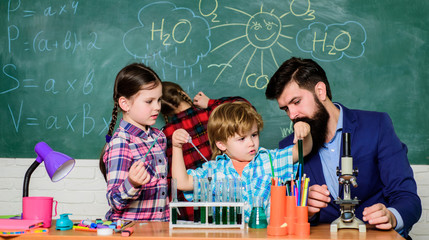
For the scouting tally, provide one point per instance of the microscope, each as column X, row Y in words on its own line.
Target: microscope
column 346, row 177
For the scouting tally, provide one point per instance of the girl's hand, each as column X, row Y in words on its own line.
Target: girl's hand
column 180, row 137
column 201, row 100
column 302, row 130
column 138, row 175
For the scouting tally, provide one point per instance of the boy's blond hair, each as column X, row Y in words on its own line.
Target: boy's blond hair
column 228, row 119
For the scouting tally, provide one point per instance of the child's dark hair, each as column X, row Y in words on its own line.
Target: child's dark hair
column 172, row 96
column 129, row 81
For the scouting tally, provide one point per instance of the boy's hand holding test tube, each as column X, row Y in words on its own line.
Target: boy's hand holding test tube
column 302, row 131
column 178, row 168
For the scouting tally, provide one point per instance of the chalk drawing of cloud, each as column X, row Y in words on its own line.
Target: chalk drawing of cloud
column 173, row 34
column 332, row 42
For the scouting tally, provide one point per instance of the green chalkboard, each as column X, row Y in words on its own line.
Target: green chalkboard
column 59, row 60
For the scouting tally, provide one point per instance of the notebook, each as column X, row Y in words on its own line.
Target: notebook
column 20, row 224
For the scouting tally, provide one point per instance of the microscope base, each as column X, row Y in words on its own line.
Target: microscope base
column 356, row 223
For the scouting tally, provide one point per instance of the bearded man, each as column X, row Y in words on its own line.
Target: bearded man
column 387, row 190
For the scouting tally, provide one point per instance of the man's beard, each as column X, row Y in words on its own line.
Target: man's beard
column 318, row 124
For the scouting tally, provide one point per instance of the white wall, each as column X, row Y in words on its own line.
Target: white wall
column 82, row 192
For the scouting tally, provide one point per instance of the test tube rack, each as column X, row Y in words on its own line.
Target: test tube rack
column 191, row 224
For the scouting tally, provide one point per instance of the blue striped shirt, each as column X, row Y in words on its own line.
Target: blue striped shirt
column 256, row 175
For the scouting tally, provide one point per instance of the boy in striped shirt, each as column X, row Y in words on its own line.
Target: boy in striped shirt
column 233, row 130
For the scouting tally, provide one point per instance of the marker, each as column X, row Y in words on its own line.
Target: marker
column 87, row 229
column 127, row 232
column 86, row 222
column 127, row 225
column 100, row 225
column 39, row 230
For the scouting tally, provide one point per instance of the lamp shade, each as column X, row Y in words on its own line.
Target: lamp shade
column 57, row 164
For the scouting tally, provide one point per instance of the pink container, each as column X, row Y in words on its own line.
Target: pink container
column 39, row 208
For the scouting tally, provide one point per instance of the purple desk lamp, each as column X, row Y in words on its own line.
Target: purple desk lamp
column 57, row 164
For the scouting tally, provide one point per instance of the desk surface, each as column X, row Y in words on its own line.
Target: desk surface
column 161, row 231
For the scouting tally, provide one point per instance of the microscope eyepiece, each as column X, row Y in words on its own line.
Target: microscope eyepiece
column 346, row 145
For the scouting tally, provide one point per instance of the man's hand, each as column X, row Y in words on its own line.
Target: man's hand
column 379, row 216
column 318, row 198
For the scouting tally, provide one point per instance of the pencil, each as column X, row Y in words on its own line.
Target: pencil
column 292, row 187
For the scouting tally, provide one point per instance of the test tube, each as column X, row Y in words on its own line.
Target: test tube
column 203, row 210
column 174, row 199
column 218, row 199
column 210, row 195
column 239, row 199
column 196, row 199
column 225, row 199
column 232, row 199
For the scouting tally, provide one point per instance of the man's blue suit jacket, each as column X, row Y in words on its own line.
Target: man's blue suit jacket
column 385, row 175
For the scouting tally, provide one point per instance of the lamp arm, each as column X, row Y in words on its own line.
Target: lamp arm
column 30, row 171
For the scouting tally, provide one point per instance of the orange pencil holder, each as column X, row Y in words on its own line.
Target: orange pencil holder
column 291, row 214
column 302, row 226
column 277, row 225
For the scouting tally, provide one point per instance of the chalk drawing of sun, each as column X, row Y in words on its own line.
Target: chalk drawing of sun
column 264, row 32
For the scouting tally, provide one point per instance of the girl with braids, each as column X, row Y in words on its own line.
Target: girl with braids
column 180, row 111
column 133, row 160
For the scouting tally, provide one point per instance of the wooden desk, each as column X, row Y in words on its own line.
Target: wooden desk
column 161, row 231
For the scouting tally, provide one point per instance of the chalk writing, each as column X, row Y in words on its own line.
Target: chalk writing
column 205, row 4
column 308, row 14
column 41, row 43
column 12, row 83
column 332, row 42
column 287, row 131
column 266, row 36
column 264, row 31
column 13, row 7
column 60, row 58
column 88, row 123
column 175, row 28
